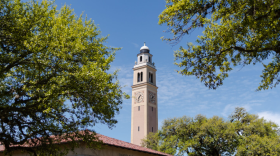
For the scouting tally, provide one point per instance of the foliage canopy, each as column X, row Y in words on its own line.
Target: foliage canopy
column 244, row 134
column 54, row 77
column 237, row 32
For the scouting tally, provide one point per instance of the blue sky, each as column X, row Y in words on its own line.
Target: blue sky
column 129, row 24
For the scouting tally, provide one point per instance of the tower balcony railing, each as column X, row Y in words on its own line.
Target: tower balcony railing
column 145, row 62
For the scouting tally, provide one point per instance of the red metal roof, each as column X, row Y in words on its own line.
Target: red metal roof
column 118, row 143
column 123, row 144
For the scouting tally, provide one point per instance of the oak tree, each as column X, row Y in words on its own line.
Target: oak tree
column 54, row 78
column 236, row 32
column 244, row 134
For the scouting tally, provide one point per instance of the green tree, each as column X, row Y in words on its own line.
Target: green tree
column 237, row 32
column 244, row 134
column 54, row 78
column 257, row 137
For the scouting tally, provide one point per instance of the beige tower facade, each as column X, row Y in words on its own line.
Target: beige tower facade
column 144, row 106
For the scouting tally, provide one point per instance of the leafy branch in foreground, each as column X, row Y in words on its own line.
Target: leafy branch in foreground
column 237, row 32
column 54, row 77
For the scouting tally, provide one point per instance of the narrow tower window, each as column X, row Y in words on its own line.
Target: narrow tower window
column 138, row 128
column 140, row 58
column 152, row 129
column 138, row 108
column 149, row 59
column 151, row 77
column 141, row 76
column 138, row 77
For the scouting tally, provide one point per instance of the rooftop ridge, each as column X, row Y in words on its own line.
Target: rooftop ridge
column 115, row 142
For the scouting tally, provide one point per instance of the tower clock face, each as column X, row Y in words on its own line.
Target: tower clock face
column 152, row 97
column 139, row 97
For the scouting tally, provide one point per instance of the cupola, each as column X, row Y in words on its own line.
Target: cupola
column 144, row 49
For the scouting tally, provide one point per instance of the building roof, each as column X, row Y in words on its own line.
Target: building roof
column 121, row 144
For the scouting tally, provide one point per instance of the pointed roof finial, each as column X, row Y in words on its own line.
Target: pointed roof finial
column 144, row 43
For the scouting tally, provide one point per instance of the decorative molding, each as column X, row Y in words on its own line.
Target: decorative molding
column 144, row 66
column 144, row 84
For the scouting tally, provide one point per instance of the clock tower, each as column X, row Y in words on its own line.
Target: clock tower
column 144, row 106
